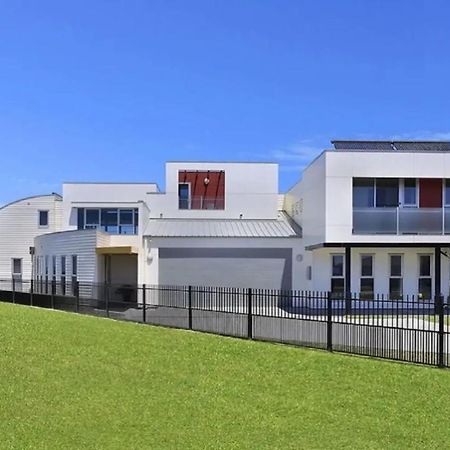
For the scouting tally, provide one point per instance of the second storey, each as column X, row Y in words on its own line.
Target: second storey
column 371, row 192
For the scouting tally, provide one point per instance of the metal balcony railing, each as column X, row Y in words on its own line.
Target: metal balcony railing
column 400, row 220
column 201, row 202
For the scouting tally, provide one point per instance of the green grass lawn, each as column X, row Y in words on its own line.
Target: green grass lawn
column 69, row 381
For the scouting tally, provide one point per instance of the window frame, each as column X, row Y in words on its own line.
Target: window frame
column 366, row 295
column 39, row 218
column 396, row 277
column 402, row 194
column 188, row 200
column 340, row 278
column 425, row 277
column 16, row 276
column 92, row 226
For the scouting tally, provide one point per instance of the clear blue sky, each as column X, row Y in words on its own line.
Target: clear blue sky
column 110, row 90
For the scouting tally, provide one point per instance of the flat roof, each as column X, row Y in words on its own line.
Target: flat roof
column 392, row 145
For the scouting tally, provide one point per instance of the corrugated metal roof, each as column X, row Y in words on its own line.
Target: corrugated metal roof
column 282, row 227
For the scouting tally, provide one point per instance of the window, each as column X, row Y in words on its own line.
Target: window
column 110, row 220
column 410, row 192
column 396, row 277
column 337, row 276
column 425, row 290
column 386, row 192
column 92, row 218
column 16, row 269
column 43, row 219
column 366, row 280
column 363, row 192
column 63, row 275
column 447, row 193
column 183, row 196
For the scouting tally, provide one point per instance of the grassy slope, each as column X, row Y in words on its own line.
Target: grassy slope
column 69, row 381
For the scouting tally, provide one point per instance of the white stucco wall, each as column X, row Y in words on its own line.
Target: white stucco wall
column 251, row 189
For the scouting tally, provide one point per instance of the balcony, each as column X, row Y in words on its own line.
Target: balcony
column 201, row 202
column 401, row 221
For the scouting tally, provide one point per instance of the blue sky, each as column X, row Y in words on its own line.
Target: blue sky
column 110, row 90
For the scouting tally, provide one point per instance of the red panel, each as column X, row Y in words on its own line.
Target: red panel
column 205, row 195
column 430, row 193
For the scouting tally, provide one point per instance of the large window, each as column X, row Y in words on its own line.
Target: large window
column 395, row 277
column 386, row 192
column 425, row 280
column 74, row 272
column 337, row 275
column 363, row 192
column 366, row 280
column 447, row 193
column 110, row 220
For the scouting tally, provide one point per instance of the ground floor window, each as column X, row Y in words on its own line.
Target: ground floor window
column 337, row 276
column 395, row 277
column 16, row 269
column 425, row 280
column 366, row 290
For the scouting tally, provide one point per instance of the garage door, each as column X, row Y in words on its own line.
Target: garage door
column 230, row 267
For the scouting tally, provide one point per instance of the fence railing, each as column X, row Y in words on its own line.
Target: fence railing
column 410, row 329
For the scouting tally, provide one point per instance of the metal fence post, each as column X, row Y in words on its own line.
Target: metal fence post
column 250, row 317
column 77, row 296
column 190, row 307
column 107, row 298
column 440, row 307
column 144, row 306
column 52, row 297
column 329, row 323
column 31, row 292
column 13, row 290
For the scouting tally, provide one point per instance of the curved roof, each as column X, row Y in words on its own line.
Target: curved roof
column 53, row 194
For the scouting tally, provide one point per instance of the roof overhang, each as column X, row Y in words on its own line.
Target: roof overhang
column 119, row 250
column 376, row 245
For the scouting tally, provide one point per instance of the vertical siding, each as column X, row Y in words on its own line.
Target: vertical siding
column 19, row 226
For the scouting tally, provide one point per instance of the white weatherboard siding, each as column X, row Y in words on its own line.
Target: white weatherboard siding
column 19, row 225
column 81, row 243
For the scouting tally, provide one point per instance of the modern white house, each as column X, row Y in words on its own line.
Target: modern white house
column 375, row 217
column 217, row 224
column 367, row 217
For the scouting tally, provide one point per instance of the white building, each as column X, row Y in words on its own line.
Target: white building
column 376, row 218
column 20, row 222
column 217, row 224
column 367, row 218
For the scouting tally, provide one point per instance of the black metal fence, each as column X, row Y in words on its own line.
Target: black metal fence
column 410, row 329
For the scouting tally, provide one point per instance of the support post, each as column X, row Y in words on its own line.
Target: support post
column 107, row 289
column 329, row 323
column 52, row 296
column 437, row 272
column 250, row 316
column 13, row 290
column 144, row 305
column 190, row 307
column 347, row 280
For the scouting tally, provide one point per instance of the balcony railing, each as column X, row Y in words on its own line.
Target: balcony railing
column 201, row 202
column 401, row 220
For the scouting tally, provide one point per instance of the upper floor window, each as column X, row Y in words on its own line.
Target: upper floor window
column 363, row 192
column 447, row 193
column 110, row 220
column 183, row 195
column 410, row 192
column 43, row 219
column 386, row 192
